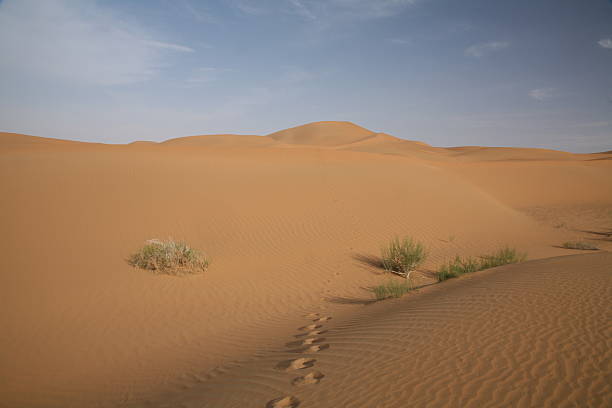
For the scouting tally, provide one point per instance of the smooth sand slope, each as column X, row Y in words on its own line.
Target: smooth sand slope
column 291, row 222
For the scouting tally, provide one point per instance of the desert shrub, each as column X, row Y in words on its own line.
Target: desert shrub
column 579, row 245
column 503, row 256
column 457, row 267
column 402, row 256
column 460, row 266
column 391, row 289
column 171, row 257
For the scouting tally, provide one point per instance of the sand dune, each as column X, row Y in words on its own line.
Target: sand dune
column 289, row 221
column 530, row 335
column 323, row 134
column 221, row 140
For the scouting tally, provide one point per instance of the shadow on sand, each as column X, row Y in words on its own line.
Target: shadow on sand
column 367, row 301
column 371, row 261
column 603, row 235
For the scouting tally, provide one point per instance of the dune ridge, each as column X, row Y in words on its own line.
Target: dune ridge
column 339, row 136
column 323, row 134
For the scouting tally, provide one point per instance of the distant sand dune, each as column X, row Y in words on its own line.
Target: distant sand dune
column 241, row 141
column 292, row 223
column 323, row 134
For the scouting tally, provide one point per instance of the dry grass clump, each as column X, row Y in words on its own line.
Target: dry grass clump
column 402, row 256
column 585, row 246
column 503, row 256
column 391, row 289
column 460, row 266
column 169, row 257
column 457, row 267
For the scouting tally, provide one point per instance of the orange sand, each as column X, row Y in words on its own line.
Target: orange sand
column 289, row 221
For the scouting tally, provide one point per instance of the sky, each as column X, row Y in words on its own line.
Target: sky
column 530, row 73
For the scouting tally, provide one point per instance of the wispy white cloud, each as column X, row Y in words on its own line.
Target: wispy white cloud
column 372, row 8
column 399, row 41
column 196, row 11
column 77, row 41
column 169, row 46
column 542, row 94
column 255, row 8
column 326, row 9
column 605, row 43
column 301, row 9
column 479, row 50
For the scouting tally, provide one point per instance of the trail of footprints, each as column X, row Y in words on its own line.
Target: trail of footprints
column 309, row 342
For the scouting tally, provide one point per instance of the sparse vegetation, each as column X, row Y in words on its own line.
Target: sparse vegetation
column 391, row 289
column 460, row 266
column 456, row 267
column 170, row 257
column 579, row 245
column 503, row 256
column 402, row 256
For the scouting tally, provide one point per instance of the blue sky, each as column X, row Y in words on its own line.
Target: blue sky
column 532, row 73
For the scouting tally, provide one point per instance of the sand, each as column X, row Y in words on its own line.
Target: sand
column 291, row 222
column 531, row 335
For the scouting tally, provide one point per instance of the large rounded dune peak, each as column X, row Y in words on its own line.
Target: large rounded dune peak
column 323, row 134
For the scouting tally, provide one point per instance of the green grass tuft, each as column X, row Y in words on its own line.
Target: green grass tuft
column 457, row 267
column 460, row 266
column 402, row 256
column 579, row 245
column 169, row 257
column 503, row 256
column 391, row 289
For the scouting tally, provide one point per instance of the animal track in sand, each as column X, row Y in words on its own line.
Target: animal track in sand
column 310, row 327
column 310, row 343
column 311, row 333
column 313, row 340
column 308, row 379
column 315, row 349
column 306, row 342
column 283, row 402
column 297, row 364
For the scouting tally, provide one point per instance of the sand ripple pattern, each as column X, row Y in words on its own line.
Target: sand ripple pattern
column 530, row 335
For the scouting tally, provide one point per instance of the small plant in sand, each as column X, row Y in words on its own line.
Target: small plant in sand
column 170, row 257
column 503, row 256
column 402, row 256
column 579, row 245
column 391, row 289
column 460, row 266
column 457, row 267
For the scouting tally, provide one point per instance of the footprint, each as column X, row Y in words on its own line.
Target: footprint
column 311, row 333
column 305, row 342
column 308, row 379
column 283, row 402
column 316, row 348
column 312, row 340
column 310, row 349
column 310, row 327
column 297, row 364
column 322, row 319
